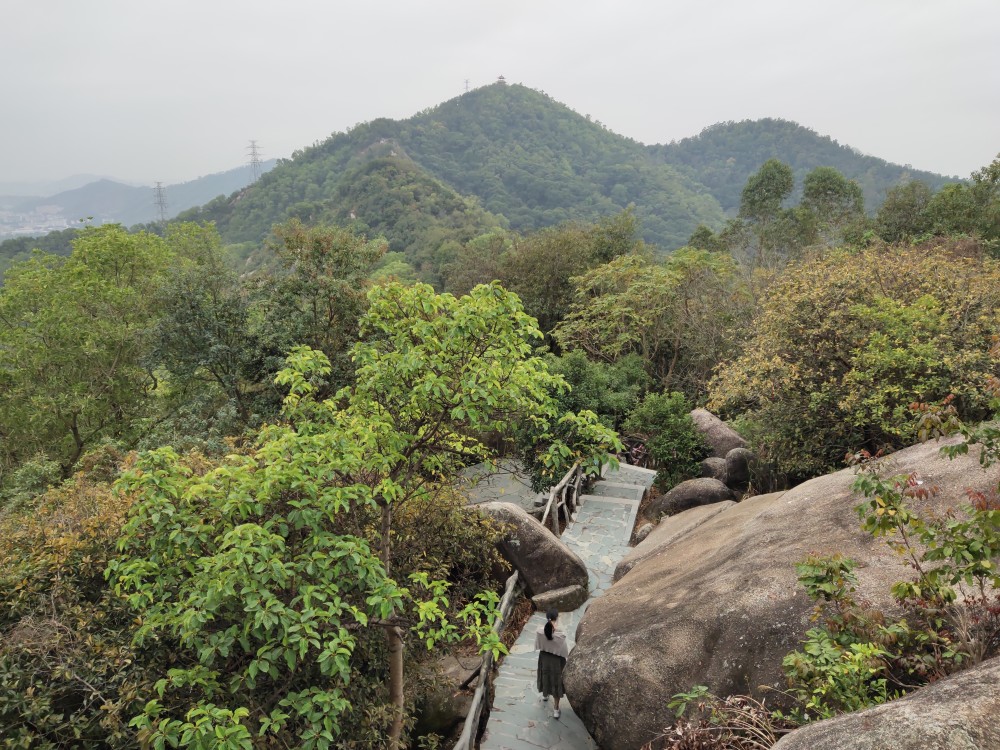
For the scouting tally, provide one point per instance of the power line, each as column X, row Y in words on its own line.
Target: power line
column 254, row 160
column 160, row 200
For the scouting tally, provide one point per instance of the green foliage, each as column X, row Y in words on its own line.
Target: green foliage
column 71, row 344
column 903, row 214
column 678, row 315
column 610, row 390
column 69, row 674
column 318, row 294
column 723, row 157
column 539, row 267
column 855, row 659
column 830, row 679
column 834, row 203
column 270, row 571
column 846, row 342
column 663, row 421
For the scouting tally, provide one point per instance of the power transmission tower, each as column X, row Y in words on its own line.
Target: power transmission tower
column 466, row 85
column 160, row 199
column 254, row 160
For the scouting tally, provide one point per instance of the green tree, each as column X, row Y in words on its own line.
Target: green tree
column 71, row 344
column 317, row 295
column 282, row 586
column 678, row 315
column 844, row 344
column 834, row 204
column 538, row 267
column 663, row 421
column 902, row 215
column 205, row 338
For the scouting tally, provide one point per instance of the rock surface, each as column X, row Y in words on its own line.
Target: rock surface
column 690, row 494
column 447, row 706
column 721, row 438
column 666, row 532
column 642, row 532
column 958, row 713
column 544, row 562
column 738, row 463
column 714, row 468
column 719, row 605
column 564, row 600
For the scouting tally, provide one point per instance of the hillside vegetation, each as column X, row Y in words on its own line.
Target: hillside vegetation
column 722, row 157
column 227, row 519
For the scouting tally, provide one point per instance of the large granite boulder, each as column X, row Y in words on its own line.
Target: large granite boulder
column 666, row 532
column 544, row 562
column 721, row 438
column 714, row 467
column 739, row 463
column 720, row 605
column 690, row 494
column 958, row 713
column 445, row 707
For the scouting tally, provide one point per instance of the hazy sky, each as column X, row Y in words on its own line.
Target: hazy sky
column 171, row 90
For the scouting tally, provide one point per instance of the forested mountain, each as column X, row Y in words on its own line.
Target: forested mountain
column 522, row 155
column 724, row 155
column 383, row 192
column 499, row 156
column 537, row 163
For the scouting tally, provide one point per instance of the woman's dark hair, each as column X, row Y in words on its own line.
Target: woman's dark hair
column 550, row 617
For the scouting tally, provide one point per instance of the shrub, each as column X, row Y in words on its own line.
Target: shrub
column 663, row 421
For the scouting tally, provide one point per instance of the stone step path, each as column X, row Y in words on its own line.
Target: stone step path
column 599, row 534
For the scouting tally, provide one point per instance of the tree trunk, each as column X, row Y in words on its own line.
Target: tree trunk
column 394, row 637
column 394, row 640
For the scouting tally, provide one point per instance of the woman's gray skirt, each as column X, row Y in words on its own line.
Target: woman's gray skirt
column 550, row 669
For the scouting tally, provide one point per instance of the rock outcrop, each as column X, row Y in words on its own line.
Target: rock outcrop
column 690, row 494
column 958, row 713
column 721, row 438
column 666, row 532
column 544, row 562
column 714, row 467
column 720, row 605
column 564, row 600
column 739, row 462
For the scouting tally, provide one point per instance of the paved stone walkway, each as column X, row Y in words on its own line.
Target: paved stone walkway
column 599, row 534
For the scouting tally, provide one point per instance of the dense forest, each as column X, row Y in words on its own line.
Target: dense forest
column 722, row 157
column 227, row 517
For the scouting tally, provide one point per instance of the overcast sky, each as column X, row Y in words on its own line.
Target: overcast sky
column 172, row 90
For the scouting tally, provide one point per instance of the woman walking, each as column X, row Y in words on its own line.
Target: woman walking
column 552, row 653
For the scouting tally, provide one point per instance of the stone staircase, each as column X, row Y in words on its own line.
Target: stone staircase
column 599, row 533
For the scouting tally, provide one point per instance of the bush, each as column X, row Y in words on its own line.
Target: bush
column 69, row 674
column 846, row 342
column 663, row 421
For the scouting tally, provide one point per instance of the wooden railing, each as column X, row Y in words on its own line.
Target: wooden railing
column 564, row 496
column 468, row 738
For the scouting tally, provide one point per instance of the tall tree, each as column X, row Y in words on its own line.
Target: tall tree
column 678, row 315
column 833, row 202
column 847, row 341
column 318, row 293
column 282, row 586
column 72, row 344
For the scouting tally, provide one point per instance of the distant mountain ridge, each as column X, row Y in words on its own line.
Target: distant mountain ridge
column 724, row 155
column 498, row 156
column 535, row 162
column 43, row 188
column 106, row 200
